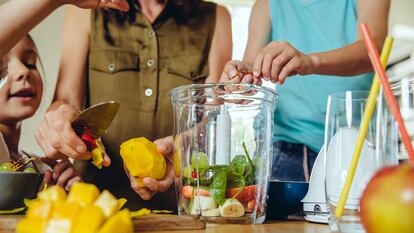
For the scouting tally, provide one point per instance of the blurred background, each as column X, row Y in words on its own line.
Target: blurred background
column 47, row 37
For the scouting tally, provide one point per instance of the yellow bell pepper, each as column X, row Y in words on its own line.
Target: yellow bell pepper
column 143, row 159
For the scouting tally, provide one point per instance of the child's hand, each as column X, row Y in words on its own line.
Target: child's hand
column 62, row 174
column 121, row 5
column 238, row 72
column 279, row 60
column 166, row 147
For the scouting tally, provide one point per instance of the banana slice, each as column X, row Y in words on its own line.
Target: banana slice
column 231, row 208
column 202, row 203
column 211, row 213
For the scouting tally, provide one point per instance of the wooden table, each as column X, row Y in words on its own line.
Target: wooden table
column 286, row 226
column 295, row 225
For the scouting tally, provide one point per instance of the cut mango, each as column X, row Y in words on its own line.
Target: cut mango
column 120, row 223
column 54, row 193
column 143, row 159
column 31, row 225
column 97, row 154
column 83, row 194
column 140, row 212
column 89, row 220
column 108, row 203
column 66, row 210
column 40, row 209
column 59, row 226
column 121, row 203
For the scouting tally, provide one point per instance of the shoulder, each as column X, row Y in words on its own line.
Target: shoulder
column 261, row 5
column 222, row 14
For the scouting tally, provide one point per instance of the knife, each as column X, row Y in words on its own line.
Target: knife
column 92, row 123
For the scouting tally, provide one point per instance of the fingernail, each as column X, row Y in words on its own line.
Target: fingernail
column 256, row 73
column 233, row 73
column 80, row 148
column 248, row 79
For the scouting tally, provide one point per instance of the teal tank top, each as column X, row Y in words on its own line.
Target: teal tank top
column 311, row 26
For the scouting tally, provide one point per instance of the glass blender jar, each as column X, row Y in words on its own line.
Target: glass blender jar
column 222, row 159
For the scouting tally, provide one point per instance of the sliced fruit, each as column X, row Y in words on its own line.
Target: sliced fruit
column 31, row 225
column 201, row 203
column 40, row 209
column 187, row 171
column 143, row 159
column 89, row 220
column 244, row 194
column 83, row 194
column 121, row 203
column 97, row 154
column 54, row 193
column 187, row 192
column 120, row 223
column 63, row 218
column 232, row 208
column 140, row 212
column 108, row 203
column 59, row 226
column 176, row 158
column 211, row 213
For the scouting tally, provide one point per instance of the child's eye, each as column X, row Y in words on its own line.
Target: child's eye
column 31, row 66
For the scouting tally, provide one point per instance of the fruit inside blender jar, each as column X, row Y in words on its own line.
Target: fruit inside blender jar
column 221, row 190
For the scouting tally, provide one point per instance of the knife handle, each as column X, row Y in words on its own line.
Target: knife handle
column 89, row 141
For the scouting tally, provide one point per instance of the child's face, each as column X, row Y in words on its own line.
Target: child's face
column 21, row 94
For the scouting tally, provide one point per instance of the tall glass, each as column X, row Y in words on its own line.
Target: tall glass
column 380, row 148
column 404, row 92
column 223, row 141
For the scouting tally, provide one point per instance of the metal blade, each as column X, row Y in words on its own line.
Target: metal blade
column 96, row 119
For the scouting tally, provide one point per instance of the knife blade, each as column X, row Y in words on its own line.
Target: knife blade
column 95, row 120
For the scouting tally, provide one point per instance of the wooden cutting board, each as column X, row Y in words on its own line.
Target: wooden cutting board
column 157, row 222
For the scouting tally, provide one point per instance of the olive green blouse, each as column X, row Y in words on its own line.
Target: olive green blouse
column 144, row 62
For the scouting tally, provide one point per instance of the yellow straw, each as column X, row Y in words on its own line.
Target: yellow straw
column 371, row 103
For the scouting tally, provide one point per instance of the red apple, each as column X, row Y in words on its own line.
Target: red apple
column 387, row 204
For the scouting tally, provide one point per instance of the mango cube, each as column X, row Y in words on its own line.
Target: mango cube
column 89, row 220
column 108, row 203
column 59, row 226
column 63, row 218
column 39, row 209
column 120, row 223
column 54, row 193
column 83, row 193
column 31, row 225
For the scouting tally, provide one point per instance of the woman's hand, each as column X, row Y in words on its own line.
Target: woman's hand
column 152, row 186
column 62, row 174
column 279, row 60
column 121, row 5
column 57, row 138
column 238, row 72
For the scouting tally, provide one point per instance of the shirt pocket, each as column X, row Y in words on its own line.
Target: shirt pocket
column 114, row 61
column 191, row 67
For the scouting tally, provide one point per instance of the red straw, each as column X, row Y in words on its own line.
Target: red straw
column 389, row 96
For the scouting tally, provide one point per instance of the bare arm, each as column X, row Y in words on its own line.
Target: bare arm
column 18, row 17
column 353, row 59
column 70, row 88
column 221, row 46
column 259, row 30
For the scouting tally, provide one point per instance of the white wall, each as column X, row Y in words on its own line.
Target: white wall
column 47, row 38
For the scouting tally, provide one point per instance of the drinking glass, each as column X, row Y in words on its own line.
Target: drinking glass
column 380, row 148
